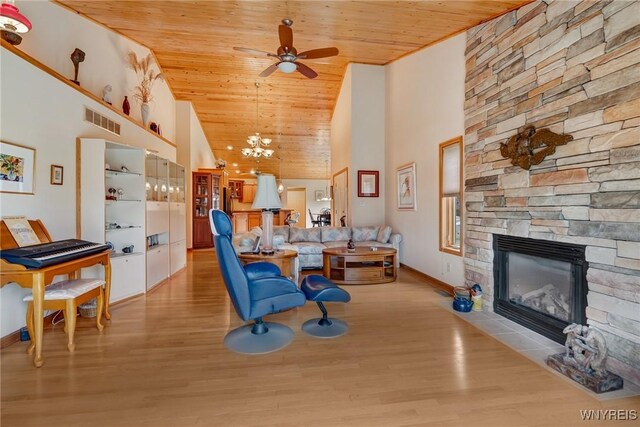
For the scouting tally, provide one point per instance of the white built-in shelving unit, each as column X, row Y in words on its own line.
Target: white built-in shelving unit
column 165, row 219
column 132, row 198
column 177, row 217
column 117, row 217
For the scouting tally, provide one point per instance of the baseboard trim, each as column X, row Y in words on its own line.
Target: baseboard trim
column 430, row 280
column 14, row 337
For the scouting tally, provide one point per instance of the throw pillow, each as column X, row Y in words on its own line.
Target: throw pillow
column 304, row 235
column 281, row 230
column 383, row 234
column 364, row 234
column 335, row 234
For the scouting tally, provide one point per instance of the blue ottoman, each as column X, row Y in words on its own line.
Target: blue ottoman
column 320, row 289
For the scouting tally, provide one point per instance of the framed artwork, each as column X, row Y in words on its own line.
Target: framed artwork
column 368, row 184
column 57, row 175
column 17, row 168
column 319, row 195
column 406, row 175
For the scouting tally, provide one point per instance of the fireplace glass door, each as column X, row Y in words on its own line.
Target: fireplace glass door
column 541, row 284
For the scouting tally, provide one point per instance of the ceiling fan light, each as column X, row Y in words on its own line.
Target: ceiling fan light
column 266, row 141
column 247, row 152
column 287, row 67
column 267, row 153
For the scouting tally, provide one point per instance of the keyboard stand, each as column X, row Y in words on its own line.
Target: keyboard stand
column 38, row 279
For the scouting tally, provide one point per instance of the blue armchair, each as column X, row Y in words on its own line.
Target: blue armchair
column 256, row 290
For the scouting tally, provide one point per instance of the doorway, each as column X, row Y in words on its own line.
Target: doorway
column 340, row 200
column 297, row 202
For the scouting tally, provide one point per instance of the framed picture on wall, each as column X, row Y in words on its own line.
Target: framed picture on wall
column 319, row 195
column 57, row 174
column 17, row 168
column 368, row 184
column 406, row 177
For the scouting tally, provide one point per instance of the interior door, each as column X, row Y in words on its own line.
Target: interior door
column 297, row 202
column 340, row 205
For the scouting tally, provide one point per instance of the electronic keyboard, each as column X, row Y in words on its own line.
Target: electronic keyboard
column 44, row 254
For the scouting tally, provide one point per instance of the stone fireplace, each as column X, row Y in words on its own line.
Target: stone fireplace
column 540, row 284
column 572, row 67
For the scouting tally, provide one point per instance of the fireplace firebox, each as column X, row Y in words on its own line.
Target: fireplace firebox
column 540, row 284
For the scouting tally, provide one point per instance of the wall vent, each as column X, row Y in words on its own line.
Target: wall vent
column 101, row 121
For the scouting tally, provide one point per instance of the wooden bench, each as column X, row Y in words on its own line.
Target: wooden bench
column 66, row 296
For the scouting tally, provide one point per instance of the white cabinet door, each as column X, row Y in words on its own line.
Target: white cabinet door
column 177, row 222
column 157, row 218
column 127, row 277
column 178, row 256
column 157, row 265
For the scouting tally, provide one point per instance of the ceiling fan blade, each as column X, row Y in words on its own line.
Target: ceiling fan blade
column 286, row 36
column 269, row 70
column 306, row 71
column 253, row 51
column 319, row 53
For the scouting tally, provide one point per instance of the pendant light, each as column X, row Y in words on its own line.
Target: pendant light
column 12, row 23
column 256, row 142
column 280, row 185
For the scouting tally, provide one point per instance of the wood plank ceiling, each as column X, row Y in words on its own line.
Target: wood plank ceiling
column 193, row 43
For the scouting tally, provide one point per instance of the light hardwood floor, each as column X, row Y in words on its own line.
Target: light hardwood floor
column 160, row 361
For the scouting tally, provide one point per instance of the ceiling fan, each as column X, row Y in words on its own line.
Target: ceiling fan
column 288, row 55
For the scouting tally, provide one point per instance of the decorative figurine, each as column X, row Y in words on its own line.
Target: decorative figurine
column 106, row 94
column 77, row 56
column 124, row 169
column 154, row 127
column 351, row 246
column 126, row 107
column 476, row 297
column 127, row 249
column 120, row 193
column 112, row 194
column 584, row 359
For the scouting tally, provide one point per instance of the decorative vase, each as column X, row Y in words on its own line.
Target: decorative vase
column 144, row 109
column 126, row 107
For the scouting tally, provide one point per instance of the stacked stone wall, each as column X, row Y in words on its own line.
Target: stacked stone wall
column 572, row 67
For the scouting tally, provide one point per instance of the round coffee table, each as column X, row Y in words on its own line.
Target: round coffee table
column 360, row 267
column 282, row 258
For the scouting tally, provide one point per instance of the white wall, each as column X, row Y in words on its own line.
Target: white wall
column 424, row 107
column 367, row 141
column 358, row 137
column 39, row 111
column 341, row 126
column 194, row 152
column 57, row 32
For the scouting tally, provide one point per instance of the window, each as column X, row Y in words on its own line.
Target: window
column 451, row 196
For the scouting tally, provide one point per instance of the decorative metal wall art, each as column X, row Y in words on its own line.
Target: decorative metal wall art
column 531, row 146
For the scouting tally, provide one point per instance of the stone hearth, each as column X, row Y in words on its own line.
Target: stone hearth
column 572, row 67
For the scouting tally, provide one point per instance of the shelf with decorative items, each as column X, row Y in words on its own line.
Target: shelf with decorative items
column 112, row 209
column 69, row 83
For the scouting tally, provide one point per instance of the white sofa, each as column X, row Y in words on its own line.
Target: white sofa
column 309, row 242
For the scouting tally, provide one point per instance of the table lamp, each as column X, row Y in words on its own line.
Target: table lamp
column 267, row 198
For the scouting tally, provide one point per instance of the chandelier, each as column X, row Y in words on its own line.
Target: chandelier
column 256, row 142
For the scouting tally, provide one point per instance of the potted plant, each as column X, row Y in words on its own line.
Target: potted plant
column 147, row 77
